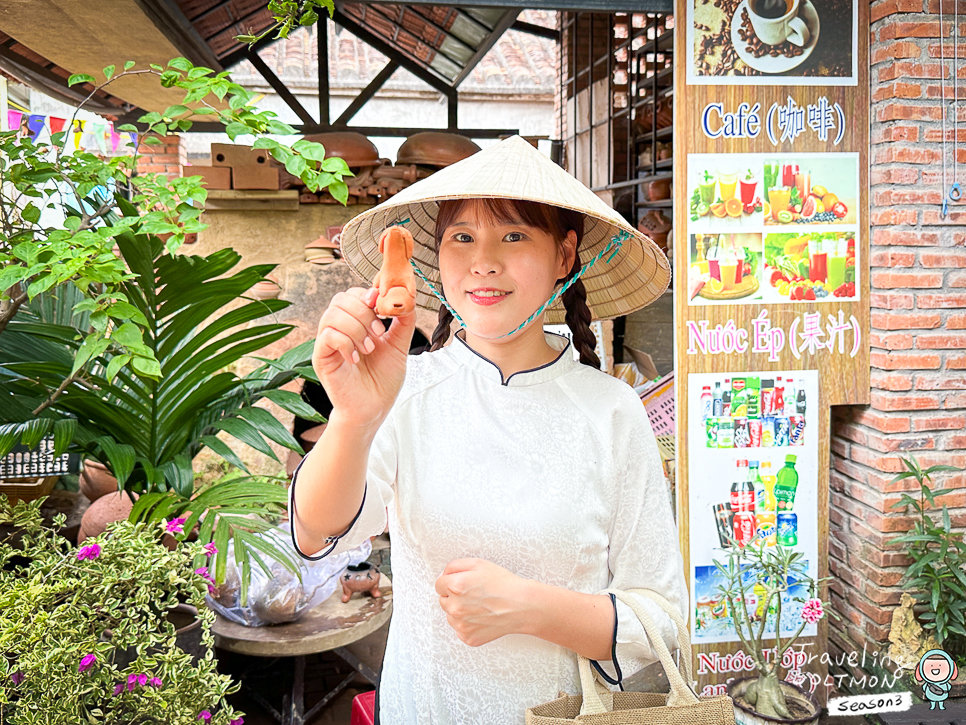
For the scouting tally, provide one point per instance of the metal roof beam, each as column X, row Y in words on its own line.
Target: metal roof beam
column 215, row 127
column 509, row 17
column 389, row 51
column 366, row 93
column 538, row 30
column 280, row 88
column 374, row 8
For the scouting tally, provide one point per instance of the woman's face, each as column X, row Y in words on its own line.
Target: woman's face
column 520, row 261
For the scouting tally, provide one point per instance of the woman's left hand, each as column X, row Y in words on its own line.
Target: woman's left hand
column 482, row 601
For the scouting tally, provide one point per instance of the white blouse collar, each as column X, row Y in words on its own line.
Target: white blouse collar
column 561, row 365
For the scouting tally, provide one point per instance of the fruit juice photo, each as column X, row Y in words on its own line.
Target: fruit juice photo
column 741, row 265
column 747, row 187
column 817, row 261
column 788, row 174
column 727, row 184
column 778, row 197
column 771, row 176
column 836, row 270
column 803, row 182
column 714, row 270
column 706, row 191
column 729, row 268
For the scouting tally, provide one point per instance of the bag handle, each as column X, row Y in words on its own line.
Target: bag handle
column 681, row 693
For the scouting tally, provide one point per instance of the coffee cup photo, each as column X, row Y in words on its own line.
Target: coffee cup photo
column 776, row 21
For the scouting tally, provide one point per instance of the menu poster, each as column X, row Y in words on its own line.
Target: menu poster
column 773, row 228
column 772, row 42
column 753, row 473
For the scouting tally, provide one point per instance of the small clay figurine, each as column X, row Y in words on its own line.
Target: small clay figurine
column 360, row 578
column 395, row 280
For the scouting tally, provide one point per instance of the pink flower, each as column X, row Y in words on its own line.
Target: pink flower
column 204, row 715
column 237, row 721
column 17, row 677
column 812, row 611
column 175, row 526
column 155, row 682
column 89, row 552
column 118, row 689
column 213, row 590
column 211, row 549
column 203, row 571
column 87, row 661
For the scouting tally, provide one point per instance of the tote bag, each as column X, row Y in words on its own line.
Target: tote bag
column 597, row 705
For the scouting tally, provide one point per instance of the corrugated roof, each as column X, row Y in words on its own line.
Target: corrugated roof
column 518, row 62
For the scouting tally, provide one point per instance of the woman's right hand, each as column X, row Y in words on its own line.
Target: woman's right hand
column 360, row 364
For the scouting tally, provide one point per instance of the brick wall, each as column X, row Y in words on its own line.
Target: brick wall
column 166, row 159
column 918, row 323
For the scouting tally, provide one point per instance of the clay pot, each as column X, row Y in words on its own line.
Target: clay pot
column 798, row 701
column 360, row 578
column 96, row 480
column 105, row 510
column 268, row 289
column 310, row 437
column 353, row 148
column 658, row 190
column 435, row 148
column 321, row 250
column 655, row 225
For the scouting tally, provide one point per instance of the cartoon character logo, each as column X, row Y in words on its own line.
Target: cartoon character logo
column 934, row 671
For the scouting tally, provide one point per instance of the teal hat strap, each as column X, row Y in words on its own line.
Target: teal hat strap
column 615, row 243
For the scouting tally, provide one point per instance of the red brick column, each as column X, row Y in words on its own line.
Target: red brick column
column 165, row 159
column 918, row 326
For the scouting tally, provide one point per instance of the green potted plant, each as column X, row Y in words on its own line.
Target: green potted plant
column 756, row 579
column 37, row 256
column 88, row 635
column 936, row 578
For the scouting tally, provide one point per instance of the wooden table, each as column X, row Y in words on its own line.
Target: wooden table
column 329, row 627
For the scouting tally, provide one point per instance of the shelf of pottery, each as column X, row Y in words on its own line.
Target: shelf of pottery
column 651, row 79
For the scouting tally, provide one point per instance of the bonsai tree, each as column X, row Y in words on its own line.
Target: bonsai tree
column 937, row 576
column 759, row 573
column 84, row 633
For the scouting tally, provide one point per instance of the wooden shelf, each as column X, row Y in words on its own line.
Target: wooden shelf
column 662, row 204
column 243, row 200
column 663, row 43
column 662, row 133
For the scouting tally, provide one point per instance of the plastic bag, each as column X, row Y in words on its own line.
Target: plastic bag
column 281, row 597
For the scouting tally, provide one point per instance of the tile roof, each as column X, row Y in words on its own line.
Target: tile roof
column 518, row 62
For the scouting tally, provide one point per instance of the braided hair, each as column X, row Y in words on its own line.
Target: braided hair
column 551, row 219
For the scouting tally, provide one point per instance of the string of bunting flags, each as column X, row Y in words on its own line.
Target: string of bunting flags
column 87, row 135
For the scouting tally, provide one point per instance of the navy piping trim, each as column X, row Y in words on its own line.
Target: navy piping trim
column 613, row 654
column 506, row 382
column 333, row 540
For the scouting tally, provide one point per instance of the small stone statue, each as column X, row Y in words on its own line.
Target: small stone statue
column 360, row 578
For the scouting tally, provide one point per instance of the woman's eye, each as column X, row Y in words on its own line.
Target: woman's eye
column 463, row 238
column 514, row 237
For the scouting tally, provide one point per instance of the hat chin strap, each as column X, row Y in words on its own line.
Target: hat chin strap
column 615, row 243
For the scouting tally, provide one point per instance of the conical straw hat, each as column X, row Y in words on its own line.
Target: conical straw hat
column 616, row 285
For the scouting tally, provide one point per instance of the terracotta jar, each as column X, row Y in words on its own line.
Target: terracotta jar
column 353, row 148
column 435, row 148
column 105, row 510
column 96, row 480
column 655, row 225
column 268, row 289
column 659, row 190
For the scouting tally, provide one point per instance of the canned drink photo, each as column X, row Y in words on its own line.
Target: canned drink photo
column 754, row 432
column 787, row 529
column 742, row 435
column 781, row 431
column 767, row 528
column 744, row 527
column 711, row 432
column 767, row 432
column 726, row 437
column 796, row 430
